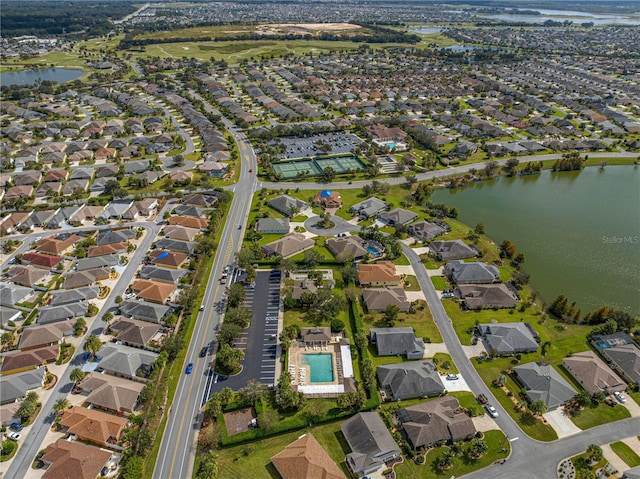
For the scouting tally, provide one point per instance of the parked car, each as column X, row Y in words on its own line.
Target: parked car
column 482, row 399
column 620, row 397
column 16, row 426
column 452, row 377
column 491, row 410
column 189, row 369
column 14, row 436
column 203, row 351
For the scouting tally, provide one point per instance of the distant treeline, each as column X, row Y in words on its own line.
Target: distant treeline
column 373, row 34
column 57, row 18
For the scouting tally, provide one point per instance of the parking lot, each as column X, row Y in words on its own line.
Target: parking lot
column 258, row 341
column 340, row 143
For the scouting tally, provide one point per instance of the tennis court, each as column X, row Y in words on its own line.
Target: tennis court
column 342, row 164
column 292, row 168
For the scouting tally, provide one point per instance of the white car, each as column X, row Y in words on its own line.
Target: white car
column 491, row 410
column 14, row 436
column 620, row 397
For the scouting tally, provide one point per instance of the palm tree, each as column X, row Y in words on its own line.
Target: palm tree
column 92, row 344
column 538, row 407
column 595, row 453
column 76, row 375
column 26, row 409
column 32, row 396
column 61, row 405
column 583, row 398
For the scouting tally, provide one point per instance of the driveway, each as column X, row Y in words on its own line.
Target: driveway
column 613, row 458
column 342, row 226
column 561, row 423
column 456, row 385
column 632, row 406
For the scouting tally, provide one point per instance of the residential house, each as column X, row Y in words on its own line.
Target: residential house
column 180, row 233
column 509, row 338
column 378, row 299
column 97, row 262
column 57, row 245
column 164, row 275
column 306, row 459
column 347, row 248
column 144, row 207
column 85, row 293
column 477, row 272
column 287, row 205
column 382, row 273
column 133, row 332
column 153, row 291
column 625, row 359
column 317, row 335
column 425, row 230
column 86, row 277
column 27, row 276
column 111, row 393
column 370, row 442
column 74, row 186
column 410, row 380
column 368, row 208
column 199, row 200
column 31, row 177
column 188, row 247
column 144, row 310
column 24, row 191
column 397, row 216
column 137, row 166
column 125, row 361
column 188, row 210
column 544, row 383
column 115, row 210
column 95, row 427
column 273, row 225
column 73, row 460
column 455, row 249
column 115, row 236
column 12, row 294
column 487, row 296
column 20, row 361
column 13, row 221
column 14, row 388
column 47, row 190
column 633, row 473
column 107, row 249
column 289, row 245
column 397, row 342
column 34, row 337
column 214, row 169
column 328, row 199
column 440, row 419
column 52, row 314
column 81, row 174
column 303, row 286
column 592, row 373
column 86, row 213
column 167, row 259
column 189, row 222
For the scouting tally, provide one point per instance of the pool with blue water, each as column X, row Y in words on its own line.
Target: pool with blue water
column 320, row 367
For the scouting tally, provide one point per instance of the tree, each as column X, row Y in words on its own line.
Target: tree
column 268, row 419
column 133, row 468
column 445, row 461
column 61, row 405
column 27, row 408
column 538, row 407
column 173, row 344
column 477, row 449
column 349, row 274
column 361, row 340
column 76, row 375
column 285, row 265
column 479, row 229
column 8, row 339
column 250, row 273
column 236, row 295
column 329, row 174
column 583, row 398
column 390, row 315
column 337, row 325
column 228, row 359
column 316, row 410
column 311, row 258
column 325, row 307
column 78, row 327
column 229, row 332
column 92, row 344
column 253, row 391
column 108, row 316
column 595, row 453
column 119, row 300
column 208, row 468
column 239, row 316
column 507, row 249
column 519, row 278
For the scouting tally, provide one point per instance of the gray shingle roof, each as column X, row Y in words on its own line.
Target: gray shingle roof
column 543, row 382
column 398, row 216
column 411, row 379
column 163, row 275
column 509, row 338
column 273, row 224
column 370, row 442
column 394, row 341
column 144, row 310
column 124, row 360
column 10, row 294
column 50, row 314
column 456, row 249
column 369, row 207
column 16, row 386
column 477, row 272
column 85, row 293
column 284, row 203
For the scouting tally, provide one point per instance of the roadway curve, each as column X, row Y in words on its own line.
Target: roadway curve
column 529, row 459
column 179, row 440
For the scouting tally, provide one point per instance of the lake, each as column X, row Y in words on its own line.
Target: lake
column 579, row 231
column 426, row 30
column 30, row 77
column 572, row 16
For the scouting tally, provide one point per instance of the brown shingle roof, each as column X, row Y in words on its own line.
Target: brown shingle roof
column 41, row 260
column 180, row 232
column 167, row 258
column 189, row 222
column 115, row 248
column 93, row 426
column 592, row 373
column 29, row 359
column 73, row 460
column 153, row 291
column 26, row 275
column 55, row 245
column 306, row 459
column 380, row 272
column 44, row 335
column 111, row 392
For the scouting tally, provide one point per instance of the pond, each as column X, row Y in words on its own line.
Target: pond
column 579, row 231
column 30, row 77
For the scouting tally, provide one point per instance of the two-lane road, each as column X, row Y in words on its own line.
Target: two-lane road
column 177, row 449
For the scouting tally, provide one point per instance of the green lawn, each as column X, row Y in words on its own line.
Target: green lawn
column 439, row 282
column 498, row 448
column 466, row 400
column 422, row 322
column 627, row 454
column 441, row 358
column 411, row 283
column 254, row 460
column 583, row 470
column 602, row 414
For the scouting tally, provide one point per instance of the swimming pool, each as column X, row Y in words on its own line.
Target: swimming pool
column 320, row 366
column 373, row 251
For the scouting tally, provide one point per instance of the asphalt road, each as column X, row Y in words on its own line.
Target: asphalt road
column 178, row 446
column 529, row 459
column 32, row 442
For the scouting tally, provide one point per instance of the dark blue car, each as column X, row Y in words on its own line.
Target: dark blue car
column 189, row 369
column 16, row 426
